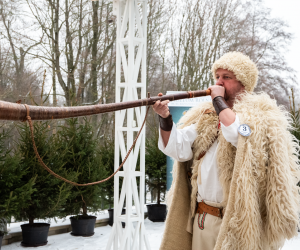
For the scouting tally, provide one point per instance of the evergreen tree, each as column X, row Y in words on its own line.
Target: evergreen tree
column 295, row 114
column 51, row 193
column 14, row 192
column 83, row 157
column 156, row 166
column 107, row 152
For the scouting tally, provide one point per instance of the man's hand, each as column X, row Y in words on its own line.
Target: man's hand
column 217, row 90
column 161, row 108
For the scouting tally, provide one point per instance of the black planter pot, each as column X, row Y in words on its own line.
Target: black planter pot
column 111, row 217
column 35, row 235
column 83, row 225
column 1, row 238
column 157, row 213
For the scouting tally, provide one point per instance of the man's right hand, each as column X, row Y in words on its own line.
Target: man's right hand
column 161, row 108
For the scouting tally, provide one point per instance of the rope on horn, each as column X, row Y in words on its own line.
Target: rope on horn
column 28, row 118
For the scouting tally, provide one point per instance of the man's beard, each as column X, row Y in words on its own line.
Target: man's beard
column 226, row 97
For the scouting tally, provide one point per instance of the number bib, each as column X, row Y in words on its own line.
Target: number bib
column 244, row 130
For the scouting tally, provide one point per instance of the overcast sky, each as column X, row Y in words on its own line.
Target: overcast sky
column 289, row 11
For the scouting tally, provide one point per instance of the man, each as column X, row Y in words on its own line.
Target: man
column 242, row 193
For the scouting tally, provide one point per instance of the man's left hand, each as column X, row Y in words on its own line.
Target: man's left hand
column 216, row 90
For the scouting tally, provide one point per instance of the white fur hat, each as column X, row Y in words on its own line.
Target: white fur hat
column 241, row 65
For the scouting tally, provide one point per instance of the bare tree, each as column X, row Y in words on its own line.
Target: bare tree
column 78, row 41
column 17, row 80
column 204, row 30
column 75, row 41
column 158, row 42
column 266, row 40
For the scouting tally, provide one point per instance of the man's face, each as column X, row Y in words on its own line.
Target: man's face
column 227, row 79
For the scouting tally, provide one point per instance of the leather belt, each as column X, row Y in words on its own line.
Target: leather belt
column 204, row 208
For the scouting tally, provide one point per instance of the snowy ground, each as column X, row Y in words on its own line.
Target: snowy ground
column 16, row 226
column 100, row 238
column 97, row 242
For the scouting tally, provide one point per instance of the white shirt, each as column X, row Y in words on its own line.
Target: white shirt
column 180, row 148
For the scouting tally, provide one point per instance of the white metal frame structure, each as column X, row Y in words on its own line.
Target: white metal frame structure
column 130, row 85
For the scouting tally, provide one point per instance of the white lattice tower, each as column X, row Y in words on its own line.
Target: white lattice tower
column 130, row 85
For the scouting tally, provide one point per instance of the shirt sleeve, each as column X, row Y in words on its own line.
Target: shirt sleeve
column 231, row 133
column 180, row 143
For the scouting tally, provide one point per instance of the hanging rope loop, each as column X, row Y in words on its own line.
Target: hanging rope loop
column 28, row 118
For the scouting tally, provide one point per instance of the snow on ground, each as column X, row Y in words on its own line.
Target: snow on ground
column 16, row 226
column 96, row 242
column 293, row 244
column 99, row 240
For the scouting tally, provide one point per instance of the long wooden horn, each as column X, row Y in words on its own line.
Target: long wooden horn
column 17, row 112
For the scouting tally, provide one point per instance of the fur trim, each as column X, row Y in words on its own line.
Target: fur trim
column 263, row 201
column 241, row 65
column 206, row 125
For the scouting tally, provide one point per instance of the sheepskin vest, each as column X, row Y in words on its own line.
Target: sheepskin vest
column 259, row 179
